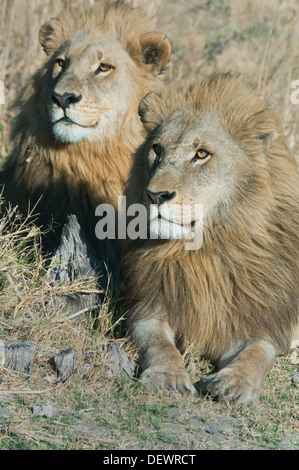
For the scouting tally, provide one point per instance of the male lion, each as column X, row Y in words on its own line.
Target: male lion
column 78, row 123
column 212, row 142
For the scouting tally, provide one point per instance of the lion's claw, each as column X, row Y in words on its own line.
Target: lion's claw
column 225, row 386
column 176, row 382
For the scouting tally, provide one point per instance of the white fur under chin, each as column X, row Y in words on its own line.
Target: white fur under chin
column 170, row 221
column 71, row 133
column 167, row 230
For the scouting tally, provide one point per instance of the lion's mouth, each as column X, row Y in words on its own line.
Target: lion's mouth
column 67, row 120
column 187, row 225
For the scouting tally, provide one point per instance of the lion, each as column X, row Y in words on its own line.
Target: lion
column 78, row 123
column 213, row 144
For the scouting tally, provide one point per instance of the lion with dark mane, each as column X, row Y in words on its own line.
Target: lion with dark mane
column 213, row 143
column 78, row 124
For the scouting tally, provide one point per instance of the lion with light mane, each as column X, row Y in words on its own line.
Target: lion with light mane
column 78, row 124
column 213, row 142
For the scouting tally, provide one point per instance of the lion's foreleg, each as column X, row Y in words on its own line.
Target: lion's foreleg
column 239, row 381
column 160, row 361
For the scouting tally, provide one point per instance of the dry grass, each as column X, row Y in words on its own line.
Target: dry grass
column 256, row 38
column 32, row 308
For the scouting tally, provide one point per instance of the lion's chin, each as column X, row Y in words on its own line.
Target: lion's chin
column 70, row 132
column 168, row 230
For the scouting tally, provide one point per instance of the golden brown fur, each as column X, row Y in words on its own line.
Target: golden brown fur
column 74, row 168
column 237, row 296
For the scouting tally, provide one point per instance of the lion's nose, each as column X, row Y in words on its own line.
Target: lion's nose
column 65, row 100
column 160, row 197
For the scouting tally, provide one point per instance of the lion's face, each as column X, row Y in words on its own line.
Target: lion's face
column 91, row 90
column 191, row 168
column 95, row 80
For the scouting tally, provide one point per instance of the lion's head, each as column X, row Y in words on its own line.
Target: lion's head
column 101, row 63
column 207, row 148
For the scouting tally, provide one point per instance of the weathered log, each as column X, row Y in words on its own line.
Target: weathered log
column 119, row 363
column 17, row 356
column 74, row 260
column 64, row 363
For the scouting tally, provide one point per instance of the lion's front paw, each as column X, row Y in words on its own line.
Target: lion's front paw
column 228, row 386
column 175, row 381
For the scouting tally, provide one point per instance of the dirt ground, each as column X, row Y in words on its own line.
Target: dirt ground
column 97, row 410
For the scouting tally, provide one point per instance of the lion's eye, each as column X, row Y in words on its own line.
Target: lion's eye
column 157, row 149
column 202, row 154
column 60, row 63
column 103, row 68
column 155, row 156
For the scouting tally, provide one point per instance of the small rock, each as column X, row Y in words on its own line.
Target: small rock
column 295, row 379
column 295, row 357
column 51, row 378
column 43, row 409
column 207, row 428
column 118, row 361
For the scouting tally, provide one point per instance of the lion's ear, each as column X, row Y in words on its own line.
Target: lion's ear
column 155, row 50
column 51, row 36
column 148, row 110
column 268, row 126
